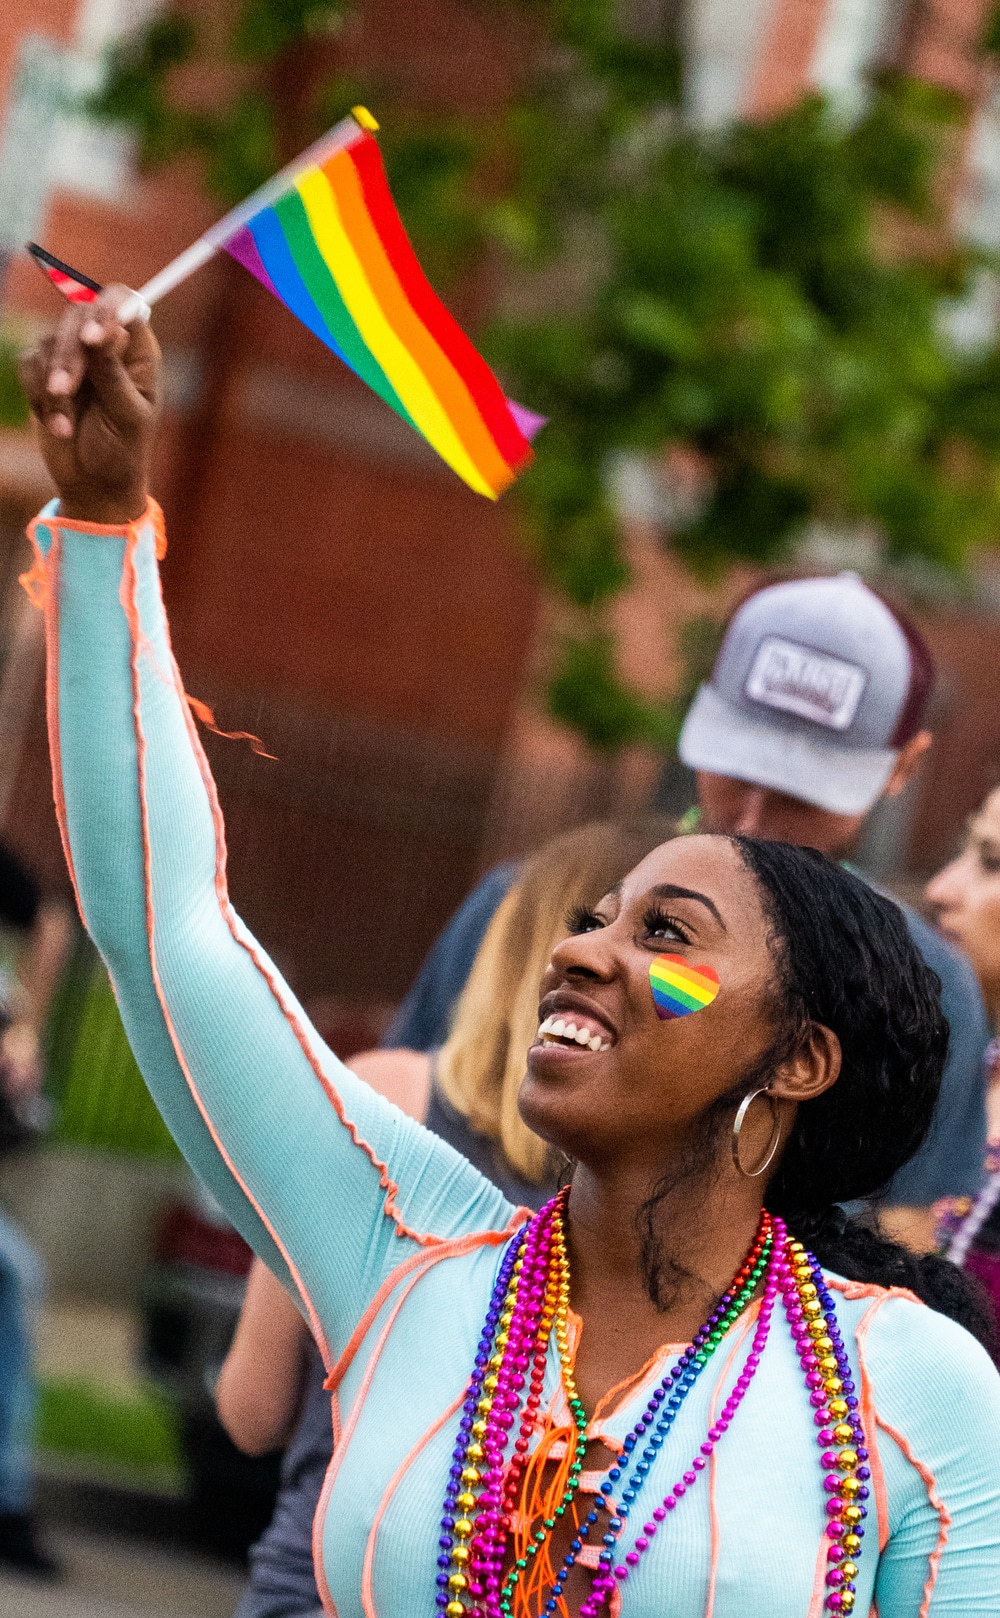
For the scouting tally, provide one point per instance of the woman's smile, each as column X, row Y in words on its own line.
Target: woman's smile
column 573, row 1025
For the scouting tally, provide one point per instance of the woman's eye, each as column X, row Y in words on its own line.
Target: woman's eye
column 583, row 920
column 661, row 927
column 989, row 861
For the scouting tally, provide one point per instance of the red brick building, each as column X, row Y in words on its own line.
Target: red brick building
column 332, row 586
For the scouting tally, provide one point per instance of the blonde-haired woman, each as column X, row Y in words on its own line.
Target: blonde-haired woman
column 466, row 1092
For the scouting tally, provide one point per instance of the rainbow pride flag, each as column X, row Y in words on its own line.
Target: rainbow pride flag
column 324, row 236
column 333, row 249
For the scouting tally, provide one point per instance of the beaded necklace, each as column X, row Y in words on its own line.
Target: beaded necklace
column 529, row 1307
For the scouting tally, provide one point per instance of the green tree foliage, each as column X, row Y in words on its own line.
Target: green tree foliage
column 13, row 404
column 991, row 33
column 749, row 311
column 740, row 294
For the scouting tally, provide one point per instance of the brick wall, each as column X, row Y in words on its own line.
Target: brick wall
column 331, row 585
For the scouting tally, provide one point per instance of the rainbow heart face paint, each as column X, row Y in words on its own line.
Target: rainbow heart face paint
column 678, row 989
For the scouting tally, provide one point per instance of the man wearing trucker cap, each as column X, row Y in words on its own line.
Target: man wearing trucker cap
column 814, row 712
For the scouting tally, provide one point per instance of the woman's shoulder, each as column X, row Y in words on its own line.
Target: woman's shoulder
column 929, row 1378
column 930, row 1403
column 893, row 1321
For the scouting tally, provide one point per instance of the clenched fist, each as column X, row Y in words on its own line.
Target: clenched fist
column 94, row 387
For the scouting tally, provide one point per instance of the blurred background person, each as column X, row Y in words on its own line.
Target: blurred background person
column 813, row 713
column 966, row 895
column 423, row 1020
column 34, row 939
column 464, row 1089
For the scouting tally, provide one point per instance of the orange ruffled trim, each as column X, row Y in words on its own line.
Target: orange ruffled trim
column 35, row 586
column 202, row 711
column 34, row 583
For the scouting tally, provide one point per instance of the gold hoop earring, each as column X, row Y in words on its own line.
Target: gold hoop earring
column 772, row 1145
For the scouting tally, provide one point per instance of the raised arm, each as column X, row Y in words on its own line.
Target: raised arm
column 329, row 1183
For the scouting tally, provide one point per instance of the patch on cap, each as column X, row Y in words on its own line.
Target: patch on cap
column 798, row 679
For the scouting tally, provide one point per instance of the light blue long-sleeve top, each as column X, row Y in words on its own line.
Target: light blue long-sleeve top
column 392, row 1241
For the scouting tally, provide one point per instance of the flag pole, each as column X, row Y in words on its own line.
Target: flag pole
column 343, row 134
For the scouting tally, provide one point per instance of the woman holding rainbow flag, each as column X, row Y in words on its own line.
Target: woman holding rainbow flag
column 655, row 1396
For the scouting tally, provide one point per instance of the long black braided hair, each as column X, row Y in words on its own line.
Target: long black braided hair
column 844, row 958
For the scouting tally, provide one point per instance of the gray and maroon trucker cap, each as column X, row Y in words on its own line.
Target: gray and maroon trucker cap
column 817, row 685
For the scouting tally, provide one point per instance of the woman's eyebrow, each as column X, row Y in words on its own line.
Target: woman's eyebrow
column 668, row 890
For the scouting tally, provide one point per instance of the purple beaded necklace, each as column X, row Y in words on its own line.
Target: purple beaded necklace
column 528, row 1306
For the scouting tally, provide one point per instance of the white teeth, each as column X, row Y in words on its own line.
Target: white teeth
column 557, row 1028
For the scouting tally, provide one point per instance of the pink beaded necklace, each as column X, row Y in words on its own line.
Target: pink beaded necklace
column 528, row 1308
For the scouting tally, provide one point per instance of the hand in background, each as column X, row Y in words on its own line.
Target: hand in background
column 21, row 1068
column 94, row 387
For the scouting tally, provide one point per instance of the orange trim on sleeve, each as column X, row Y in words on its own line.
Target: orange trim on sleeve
column 50, row 601
column 439, row 1247
column 203, row 712
column 391, row 1188
column 944, row 1515
column 820, row 1590
column 127, row 594
column 34, row 583
column 870, row 1289
column 454, row 1248
column 617, row 1395
column 367, row 1601
column 37, row 586
column 319, row 1516
column 344, row 1435
column 871, row 1421
column 111, row 530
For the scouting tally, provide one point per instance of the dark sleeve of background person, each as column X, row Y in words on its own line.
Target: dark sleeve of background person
column 950, row 1162
column 282, row 1577
column 421, row 1023
column 20, row 895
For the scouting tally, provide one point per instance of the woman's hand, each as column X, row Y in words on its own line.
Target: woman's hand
column 94, row 387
